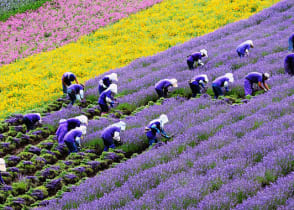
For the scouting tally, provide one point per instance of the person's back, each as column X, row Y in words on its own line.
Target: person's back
column 76, row 88
column 61, row 131
column 33, row 117
column 73, row 123
column 102, row 97
column 165, row 83
column 220, row 81
column 194, row 56
column 71, row 135
column 108, row 132
column 254, row 77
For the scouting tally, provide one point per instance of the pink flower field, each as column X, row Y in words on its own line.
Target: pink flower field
column 60, row 22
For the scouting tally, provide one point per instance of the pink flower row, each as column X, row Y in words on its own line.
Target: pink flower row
column 59, row 22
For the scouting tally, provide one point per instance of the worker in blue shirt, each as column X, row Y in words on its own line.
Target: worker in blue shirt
column 258, row 78
column 66, row 79
column 220, row 82
column 106, row 81
column 163, row 85
column 75, row 92
column 73, row 138
column 111, row 134
column 243, row 48
column 156, row 126
column 107, row 97
column 197, row 83
column 196, row 57
column 32, row 119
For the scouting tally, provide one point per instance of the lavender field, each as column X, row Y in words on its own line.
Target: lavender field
column 223, row 156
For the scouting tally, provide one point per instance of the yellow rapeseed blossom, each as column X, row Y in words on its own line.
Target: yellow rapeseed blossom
column 35, row 80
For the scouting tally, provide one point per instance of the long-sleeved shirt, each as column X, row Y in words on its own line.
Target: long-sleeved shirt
column 71, row 135
column 194, row 57
column 163, row 84
column 68, row 77
column 103, row 96
column 254, row 77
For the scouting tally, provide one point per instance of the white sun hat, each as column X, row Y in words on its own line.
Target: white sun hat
column 174, row 82
column 204, row 52
column 230, row 76
column 113, row 77
column 83, row 119
column 163, row 119
column 121, row 125
column 112, row 88
column 2, row 165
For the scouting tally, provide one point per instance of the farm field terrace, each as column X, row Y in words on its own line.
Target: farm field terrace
column 36, row 80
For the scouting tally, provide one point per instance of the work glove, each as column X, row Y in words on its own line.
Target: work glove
column 111, row 104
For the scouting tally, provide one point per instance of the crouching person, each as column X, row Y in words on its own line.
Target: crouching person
column 67, row 125
column 156, row 126
column 111, row 134
column 75, row 92
column 163, row 85
column 197, row 83
column 31, row 120
column 220, row 82
column 257, row 78
column 106, row 81
column 73, row 138
column 107, row 97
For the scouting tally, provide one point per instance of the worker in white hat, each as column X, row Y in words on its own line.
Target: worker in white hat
column 156, row 126
column 258, row 78
column 196, row 57
column 243, row 48
column 220, row 82
column 162, row 86
column 106, row 81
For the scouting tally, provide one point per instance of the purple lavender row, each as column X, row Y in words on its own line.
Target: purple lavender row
column 245, row 150
column 274, row 165
column 249, row 120
column 127, row 170
column 272, row 196
column 130, row 188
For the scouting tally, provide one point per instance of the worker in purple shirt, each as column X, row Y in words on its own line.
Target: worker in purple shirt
column 67, row 125
column 156, row 126
column 289, row 64
column 255, row 77
column 196, row 82
column 107, row 97
column 162, row 86
column 111, row 134
column 222, row 81
column 243, row 48
column 30, row 120
column 73, row 138
column 196, row 57
column 67, row 78
column 75, row 92
column 291, row 43
column 106, row 81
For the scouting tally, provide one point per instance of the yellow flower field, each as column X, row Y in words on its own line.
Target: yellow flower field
column 33, row 81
